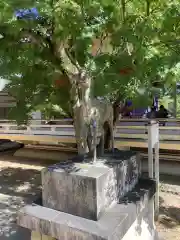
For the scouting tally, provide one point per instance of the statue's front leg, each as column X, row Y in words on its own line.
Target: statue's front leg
column 95, row 135
column 85, row 137
column 112, row 139
column 90, row 140
column 102, row 141
column 112, row 135
column 81, row 137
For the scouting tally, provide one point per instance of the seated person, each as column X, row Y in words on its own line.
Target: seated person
column 162, row 113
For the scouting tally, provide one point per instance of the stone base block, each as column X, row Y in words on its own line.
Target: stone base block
column 89, row 189
column 123, row 221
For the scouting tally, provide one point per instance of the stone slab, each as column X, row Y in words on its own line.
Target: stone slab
column 89, row 189
column 113, row 225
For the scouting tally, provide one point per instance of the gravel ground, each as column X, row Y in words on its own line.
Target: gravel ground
column 169, row 218
column 20, row 181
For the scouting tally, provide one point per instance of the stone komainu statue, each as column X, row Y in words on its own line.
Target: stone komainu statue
column 93, row 118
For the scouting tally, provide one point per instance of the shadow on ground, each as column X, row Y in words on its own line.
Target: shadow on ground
column 169, row 215
column 168, row 179
column 17, row 187
column 20, row 182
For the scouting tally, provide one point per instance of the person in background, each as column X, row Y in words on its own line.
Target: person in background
column 152, row 114
column 162, row 113
column 127, row 109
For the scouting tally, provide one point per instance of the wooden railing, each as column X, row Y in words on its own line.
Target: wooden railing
column 128, row 131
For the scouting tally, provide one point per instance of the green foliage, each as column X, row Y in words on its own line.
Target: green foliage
column 32, row 51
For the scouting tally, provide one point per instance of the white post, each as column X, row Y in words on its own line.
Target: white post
column 150, row 151
column 153, row 143
column 150, row 166
column 6, row 128
column 36, row 116
column 157, row 179
column 29, row 130
column 95, row 135
column 53, row 129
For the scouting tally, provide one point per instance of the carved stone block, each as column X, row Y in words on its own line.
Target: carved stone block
column 88, row 189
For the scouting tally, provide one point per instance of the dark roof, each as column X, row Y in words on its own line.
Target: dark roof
column 6, row 100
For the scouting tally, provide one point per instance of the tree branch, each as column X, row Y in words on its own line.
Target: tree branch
column 102, row 38
column 53, row 17
column 72, row 60
column 170, row 47
column 42, row 39
column 147, row 7
column 153, row 10
column 123, row 5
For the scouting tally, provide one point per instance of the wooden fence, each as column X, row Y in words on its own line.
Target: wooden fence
column 129, row 132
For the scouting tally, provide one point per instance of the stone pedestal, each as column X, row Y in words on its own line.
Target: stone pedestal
column 131, row 217
column 103, row 201
column 87, row 189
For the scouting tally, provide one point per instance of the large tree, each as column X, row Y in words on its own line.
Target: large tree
column 120, row 47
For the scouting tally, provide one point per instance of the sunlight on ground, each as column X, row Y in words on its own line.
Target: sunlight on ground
column 5, row 164
column 9, row 206
column 23, row 188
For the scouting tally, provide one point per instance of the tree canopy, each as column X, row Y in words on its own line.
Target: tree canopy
column 125, row 45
